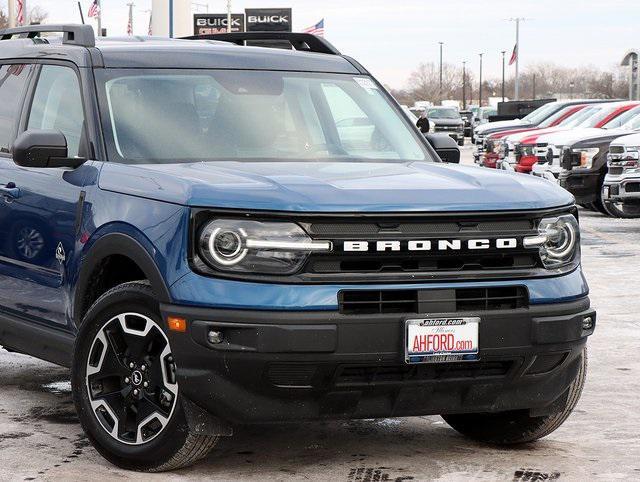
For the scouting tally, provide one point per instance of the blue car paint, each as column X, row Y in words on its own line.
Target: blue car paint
column 151, row 204
column 198, row 290
column 334, row 186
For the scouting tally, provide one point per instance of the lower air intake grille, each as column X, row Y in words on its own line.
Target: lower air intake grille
column 291, row 375
column 632, row 187
column 371, row 375
column 616, row 170
column 360, row 302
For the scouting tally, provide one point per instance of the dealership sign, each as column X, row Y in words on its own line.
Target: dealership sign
column 268, row 19
column 207, row 23
column 257, row 20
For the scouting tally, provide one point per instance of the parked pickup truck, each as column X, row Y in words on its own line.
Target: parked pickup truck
column 549, row 147
column 621, row 187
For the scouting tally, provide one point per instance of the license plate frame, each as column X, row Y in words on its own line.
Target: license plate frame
column 443, row 325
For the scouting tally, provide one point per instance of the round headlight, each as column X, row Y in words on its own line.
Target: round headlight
column 561, row 244
column 256, row 247
column 226, row 246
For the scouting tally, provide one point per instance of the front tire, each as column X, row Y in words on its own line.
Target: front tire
column 124, row 385
column 517, row 427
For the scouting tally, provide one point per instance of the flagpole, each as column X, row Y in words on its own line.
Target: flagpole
column 12, row 12
column 516, row 51
column 99, row 18
column 517, row 59
column 130, row 5
column 228, row 15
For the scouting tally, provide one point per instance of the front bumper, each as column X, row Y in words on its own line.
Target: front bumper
column 584, row 184
column 625, row 187
column 303, row 365
column 455, row 135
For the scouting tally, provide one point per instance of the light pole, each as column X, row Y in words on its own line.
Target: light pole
column 441, row 44
column 503, row 52
column 480, row 89
column 464, row 85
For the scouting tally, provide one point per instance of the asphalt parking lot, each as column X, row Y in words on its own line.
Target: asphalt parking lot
column 40, row 438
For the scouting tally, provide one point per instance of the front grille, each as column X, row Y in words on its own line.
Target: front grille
column 414, row 263
column 381, row 374
column 632, row 187
column 394, row 228
column 616, row 170
column 362, row 302
column 395, row 264
column 616, row 149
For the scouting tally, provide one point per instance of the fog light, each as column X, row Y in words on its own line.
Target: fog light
column 215, row 337
column 587, row 323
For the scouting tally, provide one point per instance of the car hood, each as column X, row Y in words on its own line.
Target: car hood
column 447, row 122
column 564, row 138
column 483, row 128
column 632, row 140
column 333, row 186
column 603, row 137
column 531, row 133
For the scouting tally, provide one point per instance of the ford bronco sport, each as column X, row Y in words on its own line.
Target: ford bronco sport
column 210, row 234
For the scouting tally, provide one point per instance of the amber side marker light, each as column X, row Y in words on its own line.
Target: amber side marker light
column 177, row 324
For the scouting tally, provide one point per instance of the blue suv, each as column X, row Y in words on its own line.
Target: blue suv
column 211, row 234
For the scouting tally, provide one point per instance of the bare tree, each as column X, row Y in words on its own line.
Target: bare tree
column 38, row 15
column 4, row 20
column 551, row 80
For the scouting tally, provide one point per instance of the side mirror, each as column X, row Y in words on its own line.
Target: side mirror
column 446, row 148
column 43, row 148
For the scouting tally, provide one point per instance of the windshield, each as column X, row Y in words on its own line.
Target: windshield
column 579, row 117
column 558, row 115
column 486, row 113
column 633, row 123
column 622, row 118
column 599, row 116
column 164, row 116
column 541, row 113
column 443, row 114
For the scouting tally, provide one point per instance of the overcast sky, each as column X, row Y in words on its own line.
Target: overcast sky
column 391, row 37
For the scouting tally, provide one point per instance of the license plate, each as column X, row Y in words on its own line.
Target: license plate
column 606, row 191
column 437, row 340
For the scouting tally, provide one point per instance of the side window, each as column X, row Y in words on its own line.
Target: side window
column 57, row 104
column 13, row 81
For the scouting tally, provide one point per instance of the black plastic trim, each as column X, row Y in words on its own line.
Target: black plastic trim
column 118, row 244
column 43, row 342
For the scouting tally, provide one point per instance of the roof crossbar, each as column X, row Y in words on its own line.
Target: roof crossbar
column 73, row 34
column 299, row 41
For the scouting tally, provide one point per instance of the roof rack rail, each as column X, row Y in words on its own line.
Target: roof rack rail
column 73, row 34
column 299, row 41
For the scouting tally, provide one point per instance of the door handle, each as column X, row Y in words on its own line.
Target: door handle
column 9, row 191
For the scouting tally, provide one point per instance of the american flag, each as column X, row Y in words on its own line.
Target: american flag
column 150, row 23
column 20, row 12
column 514, row 55
column 317, row 29
column 94, row 9
column 129, row 27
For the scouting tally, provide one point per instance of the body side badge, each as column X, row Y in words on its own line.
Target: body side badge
column 60, row 256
